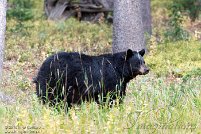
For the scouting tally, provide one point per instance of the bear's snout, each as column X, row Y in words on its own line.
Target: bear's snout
column 144, row 70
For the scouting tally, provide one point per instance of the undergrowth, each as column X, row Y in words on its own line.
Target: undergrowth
column 168, row 100
column 152, row 105
column 176, row 58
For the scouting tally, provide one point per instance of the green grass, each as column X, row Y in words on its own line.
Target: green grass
column 168, row 100
column 151, row 104
column 176, row 58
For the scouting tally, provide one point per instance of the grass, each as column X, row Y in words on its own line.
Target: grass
column 168, row 100
column 176, row 58
column 152, row 105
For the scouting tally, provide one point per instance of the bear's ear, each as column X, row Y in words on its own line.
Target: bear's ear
column 142, row 52
column 129, row 54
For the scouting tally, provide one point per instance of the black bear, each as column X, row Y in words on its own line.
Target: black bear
column 74, row 77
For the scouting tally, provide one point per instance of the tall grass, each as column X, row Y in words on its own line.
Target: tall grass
column 168, row 100
column 151, row 105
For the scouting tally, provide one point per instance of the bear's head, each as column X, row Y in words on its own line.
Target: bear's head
column 136, row 63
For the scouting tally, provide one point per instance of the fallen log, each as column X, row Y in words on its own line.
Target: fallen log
column 83, row 10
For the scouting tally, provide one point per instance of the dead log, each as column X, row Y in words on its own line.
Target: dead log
column 84, row 9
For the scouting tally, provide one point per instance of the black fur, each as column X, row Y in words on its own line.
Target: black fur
column 74, row 77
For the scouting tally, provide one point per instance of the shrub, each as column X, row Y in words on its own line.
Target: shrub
column 21, row 10
column 175, row 31
column 191, row 7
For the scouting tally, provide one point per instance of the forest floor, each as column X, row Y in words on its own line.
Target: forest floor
column 167, row 100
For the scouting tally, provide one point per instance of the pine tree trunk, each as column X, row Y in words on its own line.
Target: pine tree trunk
column 146, row 16
column 3, row 6
column 128, row 26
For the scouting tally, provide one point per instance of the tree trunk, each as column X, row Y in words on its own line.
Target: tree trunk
column 128, row 26
column 146, row 16
column 3, row 6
